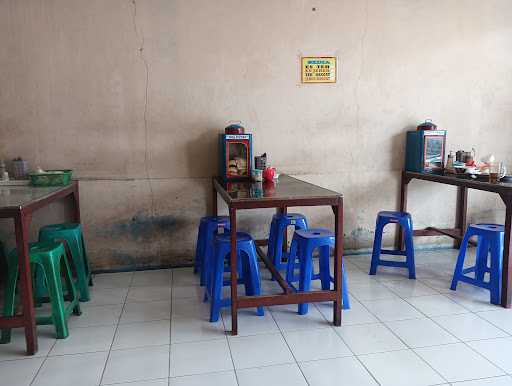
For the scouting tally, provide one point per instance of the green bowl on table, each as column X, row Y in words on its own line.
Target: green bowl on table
column 51, row 178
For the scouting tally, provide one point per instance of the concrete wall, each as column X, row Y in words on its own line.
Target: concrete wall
column 131, row 95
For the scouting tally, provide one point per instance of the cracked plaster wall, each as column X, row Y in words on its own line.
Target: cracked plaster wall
column 131, row 95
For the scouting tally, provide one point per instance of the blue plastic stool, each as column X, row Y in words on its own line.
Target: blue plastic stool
column 303, row 245
column 248, row 261
column 490, row 242
column 403, row 219
column 278, row 227
column 208, row 228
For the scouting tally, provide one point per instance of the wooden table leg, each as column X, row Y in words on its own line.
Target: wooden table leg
column 461, row 215
column 338, row 259
column 404, row 185
column 22, row 224
column 506, row 293
column 214, row 200
column 234, row 279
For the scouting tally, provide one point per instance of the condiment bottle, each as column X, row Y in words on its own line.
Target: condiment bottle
column 449, row 168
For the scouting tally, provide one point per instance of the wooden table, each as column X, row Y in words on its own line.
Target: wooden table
column 286, row 192
column 463, row 183
column 18, row 203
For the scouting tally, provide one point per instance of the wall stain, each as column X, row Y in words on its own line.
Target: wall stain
column 361, row 233
column 142, row 226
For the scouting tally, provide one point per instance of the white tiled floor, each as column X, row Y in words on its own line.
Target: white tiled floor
column 151, row 329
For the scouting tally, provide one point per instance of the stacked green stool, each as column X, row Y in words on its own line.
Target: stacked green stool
column 48, row 258
column 71, row 235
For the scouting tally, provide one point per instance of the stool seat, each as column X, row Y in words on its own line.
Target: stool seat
column 247, row 260
column 241, row 237
column 218, row 219
column 489, row 256
column 303, row 245
column 292, row 218
column 488, row 228
column 208, row 228
column 277, row 252
column 404, row 220
column 386, row 214
column 50, row 258
column 315, row 233
column 71, row 234
column 60, row 227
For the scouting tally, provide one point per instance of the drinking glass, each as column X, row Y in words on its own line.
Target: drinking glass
column 496, row 172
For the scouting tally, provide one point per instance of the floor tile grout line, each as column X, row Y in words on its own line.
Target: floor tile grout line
column 194, row 375
column 380, row 321
column 357, row 358
column 456, row 337
column 460, row 340
column 425, row 316
column 405, row 343
column 429, row 365
column 484, row 357
column 225, row 336
column 39, row 369
column 428, row 317
column 230, row 353
column 48, row 356
column 481, row 379
column 442, row 327
column 115, row 332
column 288, row 346
column 124, row 383
column 491, row 323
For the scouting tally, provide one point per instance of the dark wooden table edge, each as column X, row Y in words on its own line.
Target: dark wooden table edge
column 336, row 203
column 22, row 216
column 464, row 184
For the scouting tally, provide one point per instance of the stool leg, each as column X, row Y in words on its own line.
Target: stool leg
column 271, row 241
column 306, row 271
column 252, row 276
column 52, row 272
column 377, row 246
column 39, row 284
column 86, row 259
column 409, row 248
column 205, row 260
column 325, row 275
column 10, row 296
column 218, row 280
column 481, row 260
column 278, row 247
column 460, row 261
column 80, row 268
column 70, row 287
column 292, row 258
column 344, row 288
column 197, row 259
column 209, row 270
column 496, row 256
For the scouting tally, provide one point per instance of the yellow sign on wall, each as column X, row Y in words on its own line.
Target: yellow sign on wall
column 318, row 69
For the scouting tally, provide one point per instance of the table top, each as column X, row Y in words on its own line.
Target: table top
column 17, row 197
column 286, row 190
column 450, row 179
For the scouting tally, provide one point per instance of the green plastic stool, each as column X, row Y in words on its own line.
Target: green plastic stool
column 50, row 258
column 71, row 234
